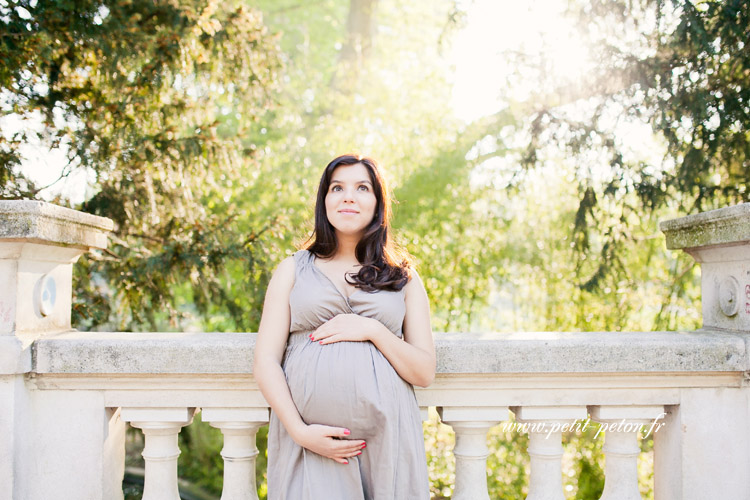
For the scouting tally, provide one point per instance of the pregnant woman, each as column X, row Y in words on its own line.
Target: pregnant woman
column 345, row 334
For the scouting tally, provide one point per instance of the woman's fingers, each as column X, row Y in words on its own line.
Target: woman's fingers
column 342, row 458
column 350, row 447
column 319, row 334
column 342, row 433
column 334, row 443
column 328, row 339
column 346, row 448
column 338, row 432
column 328, row 328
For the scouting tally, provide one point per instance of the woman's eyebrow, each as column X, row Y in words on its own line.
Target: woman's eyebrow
column 336, row 181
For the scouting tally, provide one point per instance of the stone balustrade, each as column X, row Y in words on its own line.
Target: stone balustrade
column 158, row 380
column 69, row 396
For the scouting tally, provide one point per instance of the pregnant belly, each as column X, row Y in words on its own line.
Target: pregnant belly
column 345, row 384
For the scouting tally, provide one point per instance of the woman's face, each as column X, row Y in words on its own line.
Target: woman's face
column 350, row 201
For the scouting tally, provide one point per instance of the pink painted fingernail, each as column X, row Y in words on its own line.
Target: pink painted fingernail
column 359, row 453
column 346, row 461
column 364, row 445
column 346, row 432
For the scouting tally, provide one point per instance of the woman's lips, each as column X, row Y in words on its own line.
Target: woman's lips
column 348, row 212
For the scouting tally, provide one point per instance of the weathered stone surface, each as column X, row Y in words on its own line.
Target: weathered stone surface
column 457, row 353
column 15, row 358
column 552, row 352
column 720, row 241
column 39, row 242
column 38, row 221
column 100, row 352
column 715, row 227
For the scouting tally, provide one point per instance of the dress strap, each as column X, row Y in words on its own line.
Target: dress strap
column 302, row 261
column 303, row 257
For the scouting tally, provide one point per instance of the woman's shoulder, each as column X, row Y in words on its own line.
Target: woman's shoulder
column 291, row 260
column 285, row 271
column 415, row 281
column 286, row 264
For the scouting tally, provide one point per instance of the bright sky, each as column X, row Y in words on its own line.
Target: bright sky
column 496, row 27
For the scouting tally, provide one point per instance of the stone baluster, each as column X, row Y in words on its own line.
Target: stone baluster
column 545, row 426
column 160, row 427
column 471, row 425
column 424, row 413
column 239, row 427
column 621, row 425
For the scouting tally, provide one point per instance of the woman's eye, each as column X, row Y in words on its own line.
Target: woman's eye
column 336, row 188
column 364, row 188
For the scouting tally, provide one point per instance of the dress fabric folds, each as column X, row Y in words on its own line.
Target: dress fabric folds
column 346, row 384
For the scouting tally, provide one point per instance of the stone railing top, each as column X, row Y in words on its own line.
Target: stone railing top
column 38, row 221
column 716, row 227
column 460, row 353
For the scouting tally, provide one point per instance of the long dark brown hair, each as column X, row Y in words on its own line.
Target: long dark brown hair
column 385, row 265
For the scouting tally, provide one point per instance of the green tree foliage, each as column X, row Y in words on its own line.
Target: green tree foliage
column 682, row 67
column 692, row 87
column 153, row 98
column 454, row 231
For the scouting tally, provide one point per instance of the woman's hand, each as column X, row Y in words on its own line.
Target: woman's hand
column 346, row 327
column 330, row 442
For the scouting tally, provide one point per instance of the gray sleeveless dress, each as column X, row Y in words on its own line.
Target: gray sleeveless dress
column 346, row 384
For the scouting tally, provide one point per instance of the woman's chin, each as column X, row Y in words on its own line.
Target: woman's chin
column 349, row 231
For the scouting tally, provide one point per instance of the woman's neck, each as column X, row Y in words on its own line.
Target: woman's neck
column 347, row 245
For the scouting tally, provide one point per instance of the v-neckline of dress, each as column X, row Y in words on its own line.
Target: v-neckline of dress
column 345, row 297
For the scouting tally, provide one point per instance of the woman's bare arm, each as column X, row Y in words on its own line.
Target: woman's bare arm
column 270, row 344
column 269, row 350
column 414, row 356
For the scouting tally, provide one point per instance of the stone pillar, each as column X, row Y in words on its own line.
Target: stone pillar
column 704, row 450
column 621, row 426
column 160, row 427
column 471, row 425
column 39, row 243
column 545, row 424
column 239, row 427
column 720, row 241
